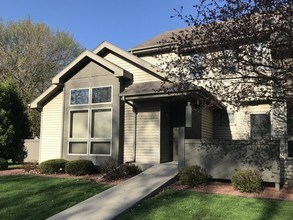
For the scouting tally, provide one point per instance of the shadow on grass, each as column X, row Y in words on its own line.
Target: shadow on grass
column 31, row 197
column 194, row 205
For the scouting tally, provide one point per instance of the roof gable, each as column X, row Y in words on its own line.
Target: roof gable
column 83, row 59
column 106, row 47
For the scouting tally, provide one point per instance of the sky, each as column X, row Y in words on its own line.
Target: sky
column 124, row 23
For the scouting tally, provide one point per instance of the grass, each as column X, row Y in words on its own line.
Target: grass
column 172, row 204
column 14, row 165
column 35, row 197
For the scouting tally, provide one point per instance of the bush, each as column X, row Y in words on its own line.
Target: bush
column 79, row 167
column 3, row 164
column 132, row 169
column 193, row 176
column 120, row 172
column 30, row 167
column 247, row 180
column 52, row 166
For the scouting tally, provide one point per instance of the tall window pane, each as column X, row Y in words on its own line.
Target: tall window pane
column 78, row 124
column 101, row 123
column 79, row 96
column 102, row 95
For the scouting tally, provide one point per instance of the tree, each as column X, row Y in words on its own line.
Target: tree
column 240, row 51
column 14, row 124
column 31, row 54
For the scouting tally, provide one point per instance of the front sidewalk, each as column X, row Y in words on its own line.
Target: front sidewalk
column 120, row 198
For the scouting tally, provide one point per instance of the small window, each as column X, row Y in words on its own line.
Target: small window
column 102, row 95
column 78, row 147
column 79, row 97
column 260, row 126
column 290, row 148
column 227, row 61
column 196, row 65
column 100, row 147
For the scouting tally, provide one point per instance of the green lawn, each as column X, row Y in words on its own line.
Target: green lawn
column 173, row 204
column 34, row 197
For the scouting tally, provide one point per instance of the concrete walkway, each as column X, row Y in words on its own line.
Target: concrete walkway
column 120, row 198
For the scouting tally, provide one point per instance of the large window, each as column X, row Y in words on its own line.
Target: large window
column 99, row 95
column 78, row 132
column 99, row 128
column 90, row 129
column 260, row 126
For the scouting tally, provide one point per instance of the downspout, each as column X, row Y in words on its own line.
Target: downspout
column 134, row 108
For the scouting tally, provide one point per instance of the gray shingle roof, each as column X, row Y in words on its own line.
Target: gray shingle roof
column 157, row 40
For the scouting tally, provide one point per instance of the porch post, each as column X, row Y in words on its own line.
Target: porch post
column 181, row 147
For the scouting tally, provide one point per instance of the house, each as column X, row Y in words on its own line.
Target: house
column 107, row 104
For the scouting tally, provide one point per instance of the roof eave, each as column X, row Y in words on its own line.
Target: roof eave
column 38, row 102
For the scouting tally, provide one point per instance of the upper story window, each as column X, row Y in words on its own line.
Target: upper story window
column 79, row 97
column 260, row 126
column 196, row 65
column 99, row 95
column 102, row 95
column 227, row 61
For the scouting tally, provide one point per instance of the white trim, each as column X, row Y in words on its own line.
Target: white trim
column 110, row 139
column 89, row 139
column 102, row 103
column 77, row 139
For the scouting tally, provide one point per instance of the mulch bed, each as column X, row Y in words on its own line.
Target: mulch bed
column 286, row 193
column 95, row 177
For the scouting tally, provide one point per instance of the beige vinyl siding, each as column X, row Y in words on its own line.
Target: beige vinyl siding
column 129, row 121
column 239, row 129
column 148, row 133
column 286, row 167
column 207, row 124
column 51, row 129
column 139, row 75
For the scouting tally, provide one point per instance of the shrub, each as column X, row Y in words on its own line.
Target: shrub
column 121, row 171
column 79, row 167
column 52, row 166
column 3, row 164
column 247, row 180
column 132, row 169
column 193, row 176
column 30, row 167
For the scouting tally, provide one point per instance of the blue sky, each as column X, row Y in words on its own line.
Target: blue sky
column 124, row 23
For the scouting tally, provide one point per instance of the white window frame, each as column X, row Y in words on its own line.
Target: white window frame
column 101, row 103
column 77, row 139
column 109, row 139
column 89, row 139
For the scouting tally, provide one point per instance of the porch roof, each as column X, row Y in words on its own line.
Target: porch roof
column 151, row 90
